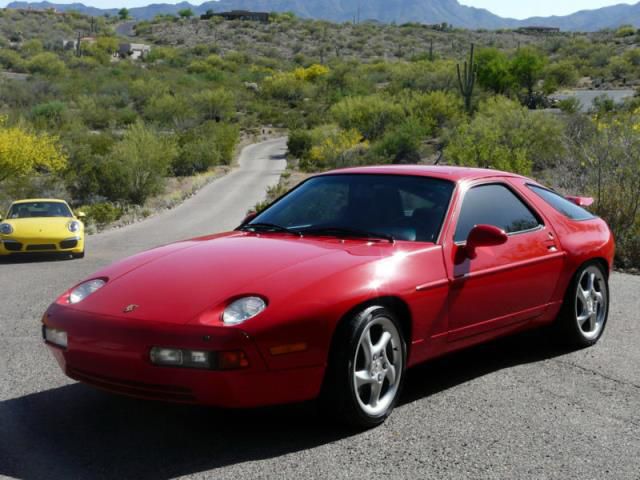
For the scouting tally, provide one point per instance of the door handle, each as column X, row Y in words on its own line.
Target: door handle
column 550, row 243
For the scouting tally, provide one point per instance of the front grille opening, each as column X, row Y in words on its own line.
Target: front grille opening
column 40, row 247
column 13, row 246
column 68, row 244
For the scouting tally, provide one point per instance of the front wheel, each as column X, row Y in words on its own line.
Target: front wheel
column 366, row 369
column 586, row 307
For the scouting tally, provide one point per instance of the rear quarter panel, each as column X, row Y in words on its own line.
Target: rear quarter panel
column 581, row 240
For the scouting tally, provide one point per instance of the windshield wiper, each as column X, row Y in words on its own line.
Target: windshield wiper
column 269, row 227
column 347, row 232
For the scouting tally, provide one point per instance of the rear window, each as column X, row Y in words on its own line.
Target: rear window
column 561, row 204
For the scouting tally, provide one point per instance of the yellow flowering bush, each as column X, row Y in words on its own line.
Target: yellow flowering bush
column 312, row 73
column 23, row 152
column 334, row 149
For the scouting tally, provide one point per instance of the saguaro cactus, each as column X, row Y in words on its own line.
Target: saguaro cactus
column 467, row 80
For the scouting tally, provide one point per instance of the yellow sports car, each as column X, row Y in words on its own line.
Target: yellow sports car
column 41, row 225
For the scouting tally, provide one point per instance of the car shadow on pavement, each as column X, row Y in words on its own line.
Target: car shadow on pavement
column 75, row 431
column 34, row 258
column 460, row 367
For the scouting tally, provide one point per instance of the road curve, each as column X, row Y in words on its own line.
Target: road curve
column 516, row 408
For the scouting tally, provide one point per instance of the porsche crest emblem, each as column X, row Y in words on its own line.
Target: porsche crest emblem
column 130, row 308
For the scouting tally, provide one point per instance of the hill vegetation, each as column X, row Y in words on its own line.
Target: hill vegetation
column 449, row 12
column 347, row 94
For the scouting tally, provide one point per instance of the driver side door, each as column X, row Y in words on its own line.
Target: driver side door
column 504, row 284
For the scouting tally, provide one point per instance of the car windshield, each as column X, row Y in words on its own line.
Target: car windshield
column 399, row 207
column 38, row 210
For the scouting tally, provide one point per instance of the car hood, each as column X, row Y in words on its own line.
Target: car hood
column 39, row 226
column 176, row 283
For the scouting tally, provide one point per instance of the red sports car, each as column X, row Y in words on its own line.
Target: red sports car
column 337, row 288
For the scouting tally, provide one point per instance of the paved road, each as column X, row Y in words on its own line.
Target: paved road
column 516, row 408
column 586, row 97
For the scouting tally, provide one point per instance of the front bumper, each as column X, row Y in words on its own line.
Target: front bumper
column 113, row 355
column 68, row 244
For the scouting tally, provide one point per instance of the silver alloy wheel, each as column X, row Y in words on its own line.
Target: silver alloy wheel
column 378, row 366
column 591, row 302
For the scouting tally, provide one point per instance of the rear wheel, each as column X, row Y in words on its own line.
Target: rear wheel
column 586, row 307
column 367, row 368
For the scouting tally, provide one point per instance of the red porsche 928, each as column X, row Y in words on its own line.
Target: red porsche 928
column 337, row 288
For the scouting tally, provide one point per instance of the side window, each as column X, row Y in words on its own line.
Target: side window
column 493, row 205
column 561, row 204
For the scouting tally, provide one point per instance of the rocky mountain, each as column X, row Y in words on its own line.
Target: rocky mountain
column 398, row 11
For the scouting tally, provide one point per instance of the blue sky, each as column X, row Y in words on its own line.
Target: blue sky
column 505, row 8
column 539, row 8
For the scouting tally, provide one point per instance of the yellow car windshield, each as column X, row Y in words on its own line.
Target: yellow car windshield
column 39, row 210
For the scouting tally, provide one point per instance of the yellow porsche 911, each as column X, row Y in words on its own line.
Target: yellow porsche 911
column 41, row 226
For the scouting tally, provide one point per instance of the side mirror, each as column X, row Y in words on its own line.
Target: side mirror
column 484, row 236
column 81, row 215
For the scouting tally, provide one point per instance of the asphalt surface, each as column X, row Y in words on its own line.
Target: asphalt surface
column 515, row 408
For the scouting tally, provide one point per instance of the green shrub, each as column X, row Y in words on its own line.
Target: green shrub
column 434, row 110
column 286, row 87
column 605, row 163
column 203, row 147
column 505, row 136
column 11, row 60
column 402, row 143
column 138, row 164
column 626, row 31
column 334, row 147
column 370, row 115
column 494, row 70
column 170, row 111
column 299, row 143
column 101, row 214
column 218, row 104
column 527, row 67
column 46, row 64
column 562, row 74
column 52, row 113
column 570, row 105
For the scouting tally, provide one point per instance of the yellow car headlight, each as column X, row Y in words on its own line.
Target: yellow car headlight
column 6, row 229
column 73, row 226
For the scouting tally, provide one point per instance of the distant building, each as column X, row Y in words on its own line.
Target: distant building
column 67, row 44
column 239, row 15
column 134, row 50
column 539, row 29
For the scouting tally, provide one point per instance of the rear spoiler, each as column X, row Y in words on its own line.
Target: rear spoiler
column 581, row 201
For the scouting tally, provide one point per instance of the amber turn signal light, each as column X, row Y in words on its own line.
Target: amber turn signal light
column 289, row 348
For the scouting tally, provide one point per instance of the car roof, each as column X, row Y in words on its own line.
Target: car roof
column 32, row 200
column 454, row 174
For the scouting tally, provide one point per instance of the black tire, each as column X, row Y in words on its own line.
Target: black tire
column 78, row 255
column 339, row 398
column 568, row 324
